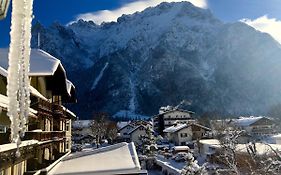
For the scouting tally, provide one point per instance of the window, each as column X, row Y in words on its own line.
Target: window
column 67, row 126
column 3, row 129
column 183, row 135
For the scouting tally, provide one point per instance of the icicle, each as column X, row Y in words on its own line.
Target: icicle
column 18, row 81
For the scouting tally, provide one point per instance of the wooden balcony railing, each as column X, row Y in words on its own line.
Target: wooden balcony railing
column 58, row 110
column 44, row 135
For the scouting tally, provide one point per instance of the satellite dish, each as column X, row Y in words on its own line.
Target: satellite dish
column 4, row 5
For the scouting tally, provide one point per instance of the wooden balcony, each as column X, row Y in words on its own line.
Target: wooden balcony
column 58, row 110
column 44, row 135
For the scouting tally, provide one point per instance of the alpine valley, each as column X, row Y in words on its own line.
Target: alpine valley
column 162, row 56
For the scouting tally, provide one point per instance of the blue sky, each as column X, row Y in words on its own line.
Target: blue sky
column 65, row 11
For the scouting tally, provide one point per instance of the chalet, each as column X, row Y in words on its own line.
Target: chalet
column 49, row 127
column 181, row 134
column 256, row 126
column 124, row 131
column 136, row 133
column 167, row 118
column 82, row 132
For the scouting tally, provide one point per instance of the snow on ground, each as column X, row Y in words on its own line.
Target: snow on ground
column 81, row 123
column 99, row 76
column 169, row 162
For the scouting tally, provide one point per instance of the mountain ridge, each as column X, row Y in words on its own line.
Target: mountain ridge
column 163, row 55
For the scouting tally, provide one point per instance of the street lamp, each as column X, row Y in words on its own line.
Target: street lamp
column 4, row 5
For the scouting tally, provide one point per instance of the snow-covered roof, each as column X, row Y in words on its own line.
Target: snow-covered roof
column 81, row 123
column 277, row 136
column 36, row 93
column 246, row 121
column 136, row 128
column 71, row 113
column 122, row 124
column 12, row 146
column 260, row 147
column 69, row 86
column 41, row 63
column 209, row 141
column 120, row 158
column 173, row 110
column 181, row 148
column 175, row 128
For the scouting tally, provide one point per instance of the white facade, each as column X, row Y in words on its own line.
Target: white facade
column 137, row 133
column 124, row 132
column 176, row 116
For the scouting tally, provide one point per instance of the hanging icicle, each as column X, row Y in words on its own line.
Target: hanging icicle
column 19, row 56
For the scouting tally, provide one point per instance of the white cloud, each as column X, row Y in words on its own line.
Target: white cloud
column 271, row 26
column 130, row 8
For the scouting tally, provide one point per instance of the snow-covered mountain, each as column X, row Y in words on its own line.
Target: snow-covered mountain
column 164, row 55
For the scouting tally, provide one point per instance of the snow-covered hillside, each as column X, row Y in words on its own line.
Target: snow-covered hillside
column 163, row 55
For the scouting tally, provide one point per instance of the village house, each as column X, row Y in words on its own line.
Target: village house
column 124, row 132
column 49, row 127
column 82, row 132
column 255, row 126
column 182, row 134
column 169, row 116
column 128, row 131
column 136, row 134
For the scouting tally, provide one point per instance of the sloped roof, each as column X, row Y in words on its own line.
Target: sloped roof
column 41, row 63
column 179, row 127
column 129, row 124
column 136, row 128
column 246, row 121
column 175, row 128
column 33, row 91
column 120, row 158
column 173, row 110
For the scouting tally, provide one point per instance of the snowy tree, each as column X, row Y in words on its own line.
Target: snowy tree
column 192, row 167
column 263, row 164
column 228, row 154
column 148, row 143
column 102, row 127
column 111, row 130
column 98, row 126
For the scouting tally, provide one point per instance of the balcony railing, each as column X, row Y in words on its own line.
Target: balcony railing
column 44, row 135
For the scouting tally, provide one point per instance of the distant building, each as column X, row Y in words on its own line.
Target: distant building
column 169, row 117
column 81, row 131
column 181, row 134
column 136, row 133
column 256, row 126
column 124, row 132
column 132, row 131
